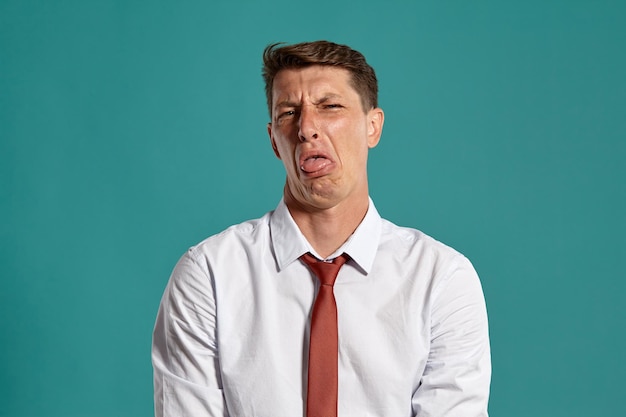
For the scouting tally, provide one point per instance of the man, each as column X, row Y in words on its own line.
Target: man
column 407, row 333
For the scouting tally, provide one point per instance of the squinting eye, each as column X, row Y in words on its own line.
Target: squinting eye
column 286, row 117
column 332, row 106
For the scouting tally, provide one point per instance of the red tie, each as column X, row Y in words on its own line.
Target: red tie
column 323, row 345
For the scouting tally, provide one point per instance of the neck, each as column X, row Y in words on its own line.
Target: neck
column 326, row 229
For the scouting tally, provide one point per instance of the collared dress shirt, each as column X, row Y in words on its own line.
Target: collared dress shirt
column 232, row 332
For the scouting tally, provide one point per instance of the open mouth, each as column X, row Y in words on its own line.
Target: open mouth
column 314, row 163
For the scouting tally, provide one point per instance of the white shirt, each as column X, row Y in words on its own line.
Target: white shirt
column 231, row 336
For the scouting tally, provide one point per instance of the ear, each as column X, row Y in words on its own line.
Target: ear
column 375, row 121
column 269, row 132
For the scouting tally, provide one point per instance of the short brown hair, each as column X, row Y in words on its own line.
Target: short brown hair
column 278, row 56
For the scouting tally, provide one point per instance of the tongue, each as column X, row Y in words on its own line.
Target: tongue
column 314, row 164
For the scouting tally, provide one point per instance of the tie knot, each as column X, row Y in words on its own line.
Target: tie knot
column 326, row 272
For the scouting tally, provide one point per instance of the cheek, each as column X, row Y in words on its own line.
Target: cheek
column 286, row 153
column 353, row 156
column 282, row 138
column 355, row 129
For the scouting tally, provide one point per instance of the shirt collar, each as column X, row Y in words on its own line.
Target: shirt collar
column 289, row 243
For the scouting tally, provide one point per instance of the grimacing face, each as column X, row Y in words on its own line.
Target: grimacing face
column 322, row 135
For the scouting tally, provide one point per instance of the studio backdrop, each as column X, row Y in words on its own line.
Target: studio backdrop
column 131, row 130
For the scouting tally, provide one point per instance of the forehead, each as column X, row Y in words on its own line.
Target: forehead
column 313, row 81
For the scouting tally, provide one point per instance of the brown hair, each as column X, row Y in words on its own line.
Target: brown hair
column 278, row 56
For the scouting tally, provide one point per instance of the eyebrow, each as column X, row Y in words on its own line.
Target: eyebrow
column 324, row 99
column 286, row 103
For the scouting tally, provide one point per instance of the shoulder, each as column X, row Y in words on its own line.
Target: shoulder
column 236, row 238
column 193, row 279
column 410, row 239
column 422, row 254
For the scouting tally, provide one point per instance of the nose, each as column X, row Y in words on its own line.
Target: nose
column 308, row 127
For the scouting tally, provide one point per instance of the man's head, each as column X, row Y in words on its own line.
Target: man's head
column 277, row 57
column 324, row 120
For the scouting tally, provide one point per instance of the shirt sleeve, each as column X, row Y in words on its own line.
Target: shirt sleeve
column 456, row 380
column 185, row 357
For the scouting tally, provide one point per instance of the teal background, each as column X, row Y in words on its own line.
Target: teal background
column 131, row 130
